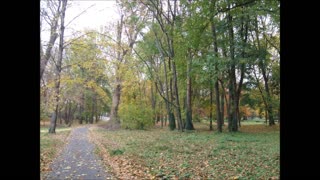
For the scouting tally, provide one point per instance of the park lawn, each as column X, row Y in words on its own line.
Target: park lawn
column 50, row 145
column 252, row 153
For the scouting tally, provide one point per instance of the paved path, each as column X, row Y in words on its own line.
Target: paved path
column 78, row 160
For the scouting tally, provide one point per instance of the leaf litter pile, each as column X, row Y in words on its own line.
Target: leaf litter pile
column 252, row 153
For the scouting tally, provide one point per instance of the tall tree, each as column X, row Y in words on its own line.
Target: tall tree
column 53, row 122
column 129, row 26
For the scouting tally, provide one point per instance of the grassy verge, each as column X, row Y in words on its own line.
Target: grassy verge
column 50, row 145
column 252, row 153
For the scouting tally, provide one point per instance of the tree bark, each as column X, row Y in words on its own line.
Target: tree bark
column 58, row 67
column 222, row 104
column 232, row 76
column 177, row 107
column 218, row 114
column 117, row 89
column 115, row 104
column 211, row 104
column 53, row 36
column 52, row 128
column 189, row 124
column 219, row 120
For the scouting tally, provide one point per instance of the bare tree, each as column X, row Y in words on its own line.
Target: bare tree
column 50, row 14
column 58, row 64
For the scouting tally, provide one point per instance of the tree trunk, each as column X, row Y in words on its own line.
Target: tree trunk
column 222, row 105
column 232, row 76
column 80, row 116
column 266, row 115
column 172, row 119
column 230, row 117
column 262, row 66
column 60, row 116
column 117, row 89
column 176, row 93
column 223, row 99
column 189, row 124
column 211, row 103
column 58, row 67
column 53, row 36
column 215, row 43
column 115, row 104
column 52, row 128
column 92, row 111
column 219, row 119
column 153, row 105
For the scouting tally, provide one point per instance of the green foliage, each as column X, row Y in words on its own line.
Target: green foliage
column 116, row 152
column 135, row 116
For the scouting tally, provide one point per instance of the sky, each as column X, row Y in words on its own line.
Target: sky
column 102, row 13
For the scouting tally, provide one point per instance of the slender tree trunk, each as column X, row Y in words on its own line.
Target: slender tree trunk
column 153, row 105
column 270, row 108
column 215, row 43
column 232, row 83
column 60, row 116
column 219, row 119
column 223, row 99
column 80, row 114
column 189, row 124
column 52, row 123
column 91, row 120
column 211, row 104
column 262, row 66
column 266, row 115
column 222, row 105
column 172, row 119
column 175, row 82
column 58, row 67
column 115, row 103
column 230, row 116
column 53, row 36
column 117, row 89
column 69, row 113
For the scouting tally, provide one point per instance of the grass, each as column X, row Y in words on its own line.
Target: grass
column 252, row 153
column 50, row 145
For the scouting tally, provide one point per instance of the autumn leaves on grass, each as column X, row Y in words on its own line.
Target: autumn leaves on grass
column 159, row 153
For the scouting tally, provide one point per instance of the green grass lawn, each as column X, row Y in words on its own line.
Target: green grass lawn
column 252, row 153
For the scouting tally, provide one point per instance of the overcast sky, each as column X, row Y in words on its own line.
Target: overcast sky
column 102, row 13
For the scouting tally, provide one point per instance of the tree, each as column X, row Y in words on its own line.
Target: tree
column 128, row 28
column 51, row 13
column 53, row 122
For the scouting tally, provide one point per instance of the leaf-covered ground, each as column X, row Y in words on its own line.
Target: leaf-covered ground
column 77, row 160
column 252, row 153
column 51, row 145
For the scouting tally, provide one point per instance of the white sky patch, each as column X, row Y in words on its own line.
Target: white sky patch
column 101, row 14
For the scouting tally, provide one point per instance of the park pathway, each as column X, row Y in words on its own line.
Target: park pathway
column 78, row 160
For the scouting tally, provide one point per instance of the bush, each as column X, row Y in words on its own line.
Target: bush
column 135, row 116
column 116, row 152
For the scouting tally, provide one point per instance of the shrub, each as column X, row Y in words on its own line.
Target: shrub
column 135, row 116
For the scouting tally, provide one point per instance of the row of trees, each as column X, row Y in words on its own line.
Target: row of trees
column 176, row 60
